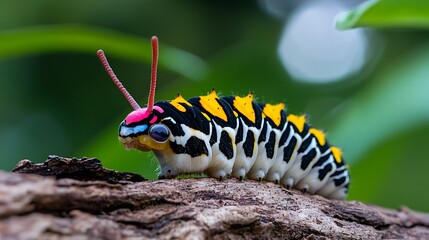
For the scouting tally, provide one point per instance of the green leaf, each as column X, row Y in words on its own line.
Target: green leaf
column 386, row 14
column 81, row 38
column 396, row 102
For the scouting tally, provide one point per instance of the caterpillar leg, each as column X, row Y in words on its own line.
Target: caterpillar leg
column 339, row 194
column 218, row 173
column 337, row 185
column 173, row 164
column 304, row 188
column 277, row 171
column 287, row 182
column 240, row 173
column 286, row 155
column 166, row 174
column 223, row 152
column 319, row 174
column 262, row 165
column 247, row 151
column 257, row 174
column 274, row 177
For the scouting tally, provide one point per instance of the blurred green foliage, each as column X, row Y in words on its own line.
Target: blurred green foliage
column 55, row 98
column 81, row 38
column 386, row 14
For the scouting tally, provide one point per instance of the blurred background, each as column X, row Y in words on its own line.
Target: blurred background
column 366, row 87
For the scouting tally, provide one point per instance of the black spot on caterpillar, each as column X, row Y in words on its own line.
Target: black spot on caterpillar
column 232, row 136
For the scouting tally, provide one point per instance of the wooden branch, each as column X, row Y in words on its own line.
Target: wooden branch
column 86, row 201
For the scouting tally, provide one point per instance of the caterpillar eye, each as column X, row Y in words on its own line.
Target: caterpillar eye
column 159, row 132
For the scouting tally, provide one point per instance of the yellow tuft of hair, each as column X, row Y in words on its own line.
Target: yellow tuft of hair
column 298, row 121
column 244, row 106
column 211, row 105
column 337, row 154
column 274, row 112
column 320, row 135
column 177, row 103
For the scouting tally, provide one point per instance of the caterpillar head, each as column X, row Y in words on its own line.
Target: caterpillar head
column 141, row 129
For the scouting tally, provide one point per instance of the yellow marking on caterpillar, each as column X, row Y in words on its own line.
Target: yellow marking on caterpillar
column 320, row 136
column 337, row 154
column 298, row 121
column 176, row 103
column 206, row 116
column 211, row 105
column 274, row 112
column 244, row 106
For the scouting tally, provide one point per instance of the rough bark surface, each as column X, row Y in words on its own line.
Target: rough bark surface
column 82, row 200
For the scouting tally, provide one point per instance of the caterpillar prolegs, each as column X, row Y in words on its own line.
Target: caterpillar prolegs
column 232, row 136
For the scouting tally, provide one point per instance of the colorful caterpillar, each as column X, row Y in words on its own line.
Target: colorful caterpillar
column 232, row 136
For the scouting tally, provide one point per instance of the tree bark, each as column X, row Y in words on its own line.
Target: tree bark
column 82, row 200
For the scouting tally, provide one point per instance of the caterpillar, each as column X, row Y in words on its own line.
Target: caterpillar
column 232, row 136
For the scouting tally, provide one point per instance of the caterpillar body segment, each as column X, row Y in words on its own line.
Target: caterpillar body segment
column 286, row 149
column 249, row 116
column 233, row 136
column 224, row 125
column 273, row 123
